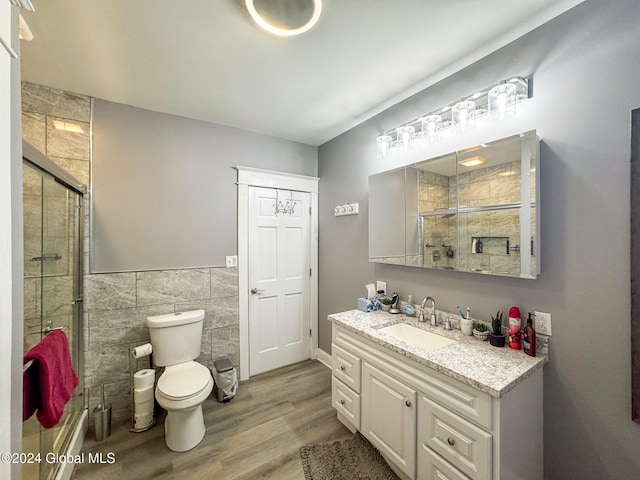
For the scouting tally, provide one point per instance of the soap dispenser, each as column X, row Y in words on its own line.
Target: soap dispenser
column 529, row 338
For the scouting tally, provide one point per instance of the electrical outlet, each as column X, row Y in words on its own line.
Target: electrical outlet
column 232, row 260
column 543, row 323
column 380, row 285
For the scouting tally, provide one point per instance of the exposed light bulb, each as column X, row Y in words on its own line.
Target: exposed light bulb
column 462, row 115
column 405, row 135
column 502, row 101
column 384, row 144
column 431, row 127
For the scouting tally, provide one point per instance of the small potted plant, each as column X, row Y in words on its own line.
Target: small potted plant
column 496, row 337
column 480, row 331
column 386, row 303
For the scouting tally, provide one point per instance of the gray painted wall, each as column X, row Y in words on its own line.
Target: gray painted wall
column 586, row 66
column 148, row 162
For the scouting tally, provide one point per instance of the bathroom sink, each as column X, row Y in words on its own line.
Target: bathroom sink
column 417, row 337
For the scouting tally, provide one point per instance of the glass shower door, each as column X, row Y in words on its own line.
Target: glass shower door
column 52, row 214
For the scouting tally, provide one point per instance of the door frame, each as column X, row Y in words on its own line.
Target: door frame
column 255, row 177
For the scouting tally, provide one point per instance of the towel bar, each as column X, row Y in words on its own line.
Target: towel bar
column 26, row 366
column 49, row 329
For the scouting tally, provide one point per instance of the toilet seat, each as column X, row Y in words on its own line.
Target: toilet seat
column 183, row 382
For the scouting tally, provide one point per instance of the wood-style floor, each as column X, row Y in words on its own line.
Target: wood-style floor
column 255, row 436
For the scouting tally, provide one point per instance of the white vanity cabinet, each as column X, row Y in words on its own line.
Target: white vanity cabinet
column 388, row 421
column 345, row 387
column 429, row 426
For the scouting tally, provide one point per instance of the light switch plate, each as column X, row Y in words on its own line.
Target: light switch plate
column 232, row 261
column 543, row 323
column 380, row 285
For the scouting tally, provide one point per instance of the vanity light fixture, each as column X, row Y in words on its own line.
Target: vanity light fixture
column 502, row 101
column 431, row 125
column 463, row 115
column 496, row 102
column 384, row 144
column 282, row 18
column 405, row 135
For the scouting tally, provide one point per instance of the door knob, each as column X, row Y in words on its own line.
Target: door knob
column 255, row 290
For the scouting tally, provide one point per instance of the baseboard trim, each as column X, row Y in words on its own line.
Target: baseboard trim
column 323, row 357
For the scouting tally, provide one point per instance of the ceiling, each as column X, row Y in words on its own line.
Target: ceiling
column 206, row 60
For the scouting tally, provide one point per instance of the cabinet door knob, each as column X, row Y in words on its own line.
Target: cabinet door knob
column 407, row 403
column 342, row 367
column 341, row 402
column 451, row 441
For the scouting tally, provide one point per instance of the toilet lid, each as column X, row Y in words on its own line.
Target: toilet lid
column 183, row 380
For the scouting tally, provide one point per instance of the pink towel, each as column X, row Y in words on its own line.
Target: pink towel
column 50, row 380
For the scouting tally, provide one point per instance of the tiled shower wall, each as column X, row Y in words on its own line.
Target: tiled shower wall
column 70, row 150
column 439, row 231
column 494, row 185
column 116, row 304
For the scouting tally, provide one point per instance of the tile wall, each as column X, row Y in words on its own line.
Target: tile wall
column 116, row 304
column 70, row 150
column 439, row 231
column 488, row 186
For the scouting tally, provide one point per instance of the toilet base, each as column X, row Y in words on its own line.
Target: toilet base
column 184, row 429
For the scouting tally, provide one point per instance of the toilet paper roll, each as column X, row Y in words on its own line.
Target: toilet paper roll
column 142, row 350
column 143, row 421
column 142, row 408
column 143, row 395
column 144, row 378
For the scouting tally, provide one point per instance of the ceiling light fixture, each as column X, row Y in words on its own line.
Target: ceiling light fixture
column 497, row 102
column 67, row 126
column 24, row 32
column 472, row 162
column 285, row 18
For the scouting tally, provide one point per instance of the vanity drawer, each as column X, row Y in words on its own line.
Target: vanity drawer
column 346, row 367
column 346, row 402
column 464, row 400
column 432, row 466
column 465, row 446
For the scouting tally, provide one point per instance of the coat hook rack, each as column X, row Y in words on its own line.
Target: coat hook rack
column 346, row 209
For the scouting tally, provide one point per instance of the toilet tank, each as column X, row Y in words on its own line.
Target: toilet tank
column 175, row 337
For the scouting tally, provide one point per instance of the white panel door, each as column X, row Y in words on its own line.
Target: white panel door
column 279, row 281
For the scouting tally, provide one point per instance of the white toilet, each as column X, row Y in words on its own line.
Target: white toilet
column 185, row 383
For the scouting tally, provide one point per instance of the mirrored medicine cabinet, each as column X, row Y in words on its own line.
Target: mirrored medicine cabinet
column 473, row 210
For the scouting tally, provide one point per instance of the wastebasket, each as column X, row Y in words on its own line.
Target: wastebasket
column 226, row 379
column 102, row 421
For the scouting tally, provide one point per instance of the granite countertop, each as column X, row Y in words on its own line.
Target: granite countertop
column 490, row 369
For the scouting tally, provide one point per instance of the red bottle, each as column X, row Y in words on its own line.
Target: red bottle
column 529, row 338
column 515, row 323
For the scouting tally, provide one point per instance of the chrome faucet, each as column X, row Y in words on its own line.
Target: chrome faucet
column 432, row 317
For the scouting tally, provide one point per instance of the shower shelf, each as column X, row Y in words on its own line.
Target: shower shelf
column 47, row 257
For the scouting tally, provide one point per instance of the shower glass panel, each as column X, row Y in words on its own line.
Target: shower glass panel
column 52, row 286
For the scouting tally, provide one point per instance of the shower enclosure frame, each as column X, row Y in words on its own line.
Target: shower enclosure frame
column 78, row 429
